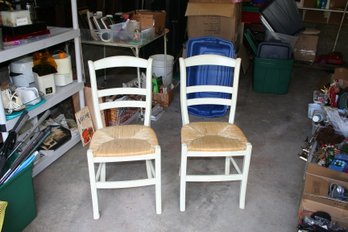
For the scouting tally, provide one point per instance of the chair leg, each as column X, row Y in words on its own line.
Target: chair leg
column 92, row 181
column 243, row 185
column 148, row 169
column 103, row 172
column 183, row 177
column 158, row 181
column 227, row 165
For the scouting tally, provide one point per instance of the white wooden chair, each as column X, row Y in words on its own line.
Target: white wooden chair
column 212, row 138
column 123, row 143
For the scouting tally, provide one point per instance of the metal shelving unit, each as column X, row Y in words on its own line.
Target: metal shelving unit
column 326, row 13
column 57, row 35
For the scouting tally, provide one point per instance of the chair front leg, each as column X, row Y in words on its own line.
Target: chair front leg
column 183, row 172
column 92, row 180
column 158, row 180
column 243, row 185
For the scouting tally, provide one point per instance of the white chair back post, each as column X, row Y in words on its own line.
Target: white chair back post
column 208, row 59
column 114, row 62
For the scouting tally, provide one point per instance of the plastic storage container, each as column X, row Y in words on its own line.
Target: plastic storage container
column 212, row 75
column 21, row 208
column 274, row 50
column 272, row 75
column 162, row 65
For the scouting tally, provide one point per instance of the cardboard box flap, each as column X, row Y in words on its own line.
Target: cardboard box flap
column 212, row 9
column 317, row 170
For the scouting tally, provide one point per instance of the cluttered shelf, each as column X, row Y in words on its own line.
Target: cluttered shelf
column 326, row 155
column 26, row 46
column 19, row 49
column 61, row 94
column 326, row 12
column 22, row 134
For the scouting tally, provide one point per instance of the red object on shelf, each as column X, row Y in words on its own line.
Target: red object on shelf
column 335, row 58
column 331, row 58
column 251, row 17
column 8, row 38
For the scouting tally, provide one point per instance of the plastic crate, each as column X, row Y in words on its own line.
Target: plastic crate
column 272, row 75
column 19, row 193
column 212, row 75
column 274, row 50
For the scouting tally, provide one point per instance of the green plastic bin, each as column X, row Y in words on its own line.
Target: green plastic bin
column 19, row 193
column 272, row 75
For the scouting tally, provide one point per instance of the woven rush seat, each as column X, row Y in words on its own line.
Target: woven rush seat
column 213, row 136
column 127, row 140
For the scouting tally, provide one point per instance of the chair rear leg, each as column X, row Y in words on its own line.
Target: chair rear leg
column 183, row 177
column 103, row 172
column 93, row 186
column 227, row 165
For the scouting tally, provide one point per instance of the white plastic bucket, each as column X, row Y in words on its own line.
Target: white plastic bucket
column 162, row 65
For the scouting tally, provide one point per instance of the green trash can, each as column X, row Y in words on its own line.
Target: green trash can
column 272, row 75
column 19, row 193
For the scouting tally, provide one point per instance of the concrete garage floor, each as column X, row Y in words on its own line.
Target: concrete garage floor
column 276, row 125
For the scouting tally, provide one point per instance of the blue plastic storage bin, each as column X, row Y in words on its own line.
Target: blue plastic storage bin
column 212, row 75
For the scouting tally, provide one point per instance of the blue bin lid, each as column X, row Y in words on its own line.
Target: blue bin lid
column 212, row 75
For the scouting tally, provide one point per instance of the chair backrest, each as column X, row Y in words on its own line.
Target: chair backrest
column 200, row 60
column 145, row 94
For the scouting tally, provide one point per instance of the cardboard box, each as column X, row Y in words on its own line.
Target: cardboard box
column 89, row 104
column 315, row 193
column 15, row 18
column 306, row 48
column 147, row 19
column 219, row 18
column 341, row 74
column 164, row 99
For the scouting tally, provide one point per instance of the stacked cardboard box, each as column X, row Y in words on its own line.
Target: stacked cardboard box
column 164, row 99
column 148, row 19
column 219, row 18
column 306, row 48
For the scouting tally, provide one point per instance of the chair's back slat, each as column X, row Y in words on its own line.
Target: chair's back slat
column 209, row 88
column 144, row 95
column 208, row 59
column 208, row 101
column 121, row 91
column 122, row 104
column 120, row 61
